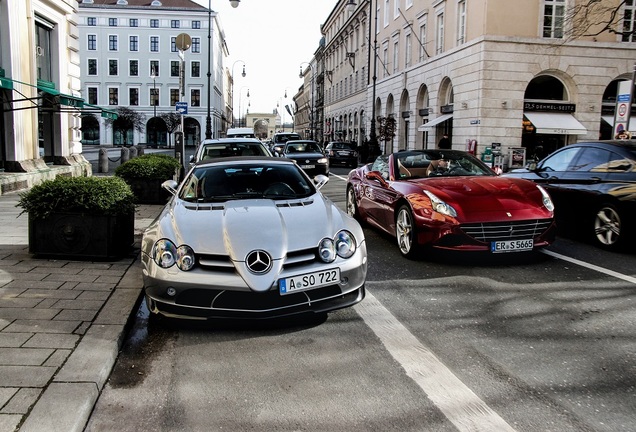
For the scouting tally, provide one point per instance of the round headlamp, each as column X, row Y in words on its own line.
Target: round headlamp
column 327, row 250
column 345, row 244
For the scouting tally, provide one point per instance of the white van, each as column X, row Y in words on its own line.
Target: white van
column 242, row 132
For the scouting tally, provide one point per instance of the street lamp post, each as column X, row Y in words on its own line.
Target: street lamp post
column 153, row 99
column 240, row 97
column 351, row 4
column 208, row 119
column 311, row 113
column 243, row 75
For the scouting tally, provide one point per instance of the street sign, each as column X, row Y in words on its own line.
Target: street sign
column 182, row 107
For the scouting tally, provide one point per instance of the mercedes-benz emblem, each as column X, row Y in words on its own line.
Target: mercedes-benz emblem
column 258, row 261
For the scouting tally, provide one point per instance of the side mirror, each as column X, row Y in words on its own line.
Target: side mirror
column 531, row 166
column 170, row 186
column 320, row 180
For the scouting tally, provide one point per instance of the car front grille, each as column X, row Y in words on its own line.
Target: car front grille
column 293, row 259
column 514, row 230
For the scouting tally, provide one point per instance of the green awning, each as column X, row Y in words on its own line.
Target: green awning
column 60, row 98
column 5, row 83
column 105, row 113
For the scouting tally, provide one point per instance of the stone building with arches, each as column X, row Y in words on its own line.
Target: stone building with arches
column 487, row 73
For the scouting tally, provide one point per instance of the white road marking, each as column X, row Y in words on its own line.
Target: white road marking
column 608, row 272
column 456, row 401
column 337, row 176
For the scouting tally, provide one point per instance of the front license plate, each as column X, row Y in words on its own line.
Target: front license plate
column 308, row 281
column 511, row 246
column 308, row 166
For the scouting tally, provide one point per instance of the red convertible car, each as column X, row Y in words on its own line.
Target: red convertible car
column 449, row 199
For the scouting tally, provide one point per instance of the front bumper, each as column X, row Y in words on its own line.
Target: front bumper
column 207, row 294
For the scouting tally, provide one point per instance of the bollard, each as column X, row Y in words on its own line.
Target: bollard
column 141, row 151
column 103, row 161
column 125, row 154
column 133, row 152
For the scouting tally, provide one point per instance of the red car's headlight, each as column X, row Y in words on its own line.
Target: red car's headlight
column 440, row 206
column 547, row 201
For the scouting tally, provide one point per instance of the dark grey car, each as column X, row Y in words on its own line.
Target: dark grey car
column 308, row 155
column 593, row 186
column 342, row 153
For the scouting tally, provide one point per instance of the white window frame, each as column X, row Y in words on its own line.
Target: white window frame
column 396, row 55
column 439, row 33
column 461, row 22
column 554, row 28
column 422, row 29
column 631, row 21
column 408, row 48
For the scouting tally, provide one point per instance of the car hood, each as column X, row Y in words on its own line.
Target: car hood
column 486, row 198
column 235, row 228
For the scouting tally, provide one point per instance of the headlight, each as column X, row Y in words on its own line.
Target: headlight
column 345, row 244
column 547, row 201
column 166, row 254
column 440, row 206
column 322, row 160
column 327, row 250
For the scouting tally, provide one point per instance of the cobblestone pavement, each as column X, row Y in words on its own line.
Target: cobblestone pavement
column 61, row 326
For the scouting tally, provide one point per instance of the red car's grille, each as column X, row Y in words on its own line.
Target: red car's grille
column 516, row 230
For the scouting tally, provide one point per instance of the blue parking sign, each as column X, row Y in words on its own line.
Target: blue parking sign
column 182, row 107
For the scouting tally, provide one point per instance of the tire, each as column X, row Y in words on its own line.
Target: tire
column 608, row 228
column 405, row 232
column 351, row 205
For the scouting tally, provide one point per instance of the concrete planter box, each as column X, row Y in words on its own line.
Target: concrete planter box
column 82, row 236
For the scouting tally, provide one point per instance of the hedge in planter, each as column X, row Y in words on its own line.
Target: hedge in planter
column 146, row 173
column 80, row 217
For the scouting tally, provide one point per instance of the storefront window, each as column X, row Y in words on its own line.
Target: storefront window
column 43, row 52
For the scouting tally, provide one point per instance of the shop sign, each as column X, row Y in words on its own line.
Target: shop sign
column 549, row 107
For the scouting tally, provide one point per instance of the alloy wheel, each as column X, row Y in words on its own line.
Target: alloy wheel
column 404, row 232
column 607, row 227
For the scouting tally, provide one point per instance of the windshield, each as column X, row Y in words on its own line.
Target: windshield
column 216, row 183
column 436, row 163
column 284, row 138
column 302, row 147
column 211, row 151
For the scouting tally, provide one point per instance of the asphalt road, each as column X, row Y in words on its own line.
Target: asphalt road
column 539, row 342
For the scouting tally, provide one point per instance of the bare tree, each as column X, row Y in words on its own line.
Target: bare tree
column 589, row 18
column 127, row 119
column 173, row 122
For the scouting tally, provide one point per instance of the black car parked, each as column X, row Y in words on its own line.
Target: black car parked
column 342, row 153
column 308, row 155
column 593, row 187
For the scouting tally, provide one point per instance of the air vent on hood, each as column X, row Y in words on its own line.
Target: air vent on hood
column 295, row 203
column 204, row 206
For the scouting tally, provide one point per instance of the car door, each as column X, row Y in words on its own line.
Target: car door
column 582, row 182
column 376, row 195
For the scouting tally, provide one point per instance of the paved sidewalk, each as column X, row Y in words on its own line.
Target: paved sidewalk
column 61, row 326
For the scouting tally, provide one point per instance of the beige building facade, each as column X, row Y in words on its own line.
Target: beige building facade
column 503, row 74
column 40, row 102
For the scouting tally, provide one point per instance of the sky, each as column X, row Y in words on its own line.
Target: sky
column 273, row 38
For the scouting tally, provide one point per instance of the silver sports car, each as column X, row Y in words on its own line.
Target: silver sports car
column 251, row 237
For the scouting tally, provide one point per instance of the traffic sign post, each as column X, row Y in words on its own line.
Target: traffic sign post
column 182, row 107
column 183, row 42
